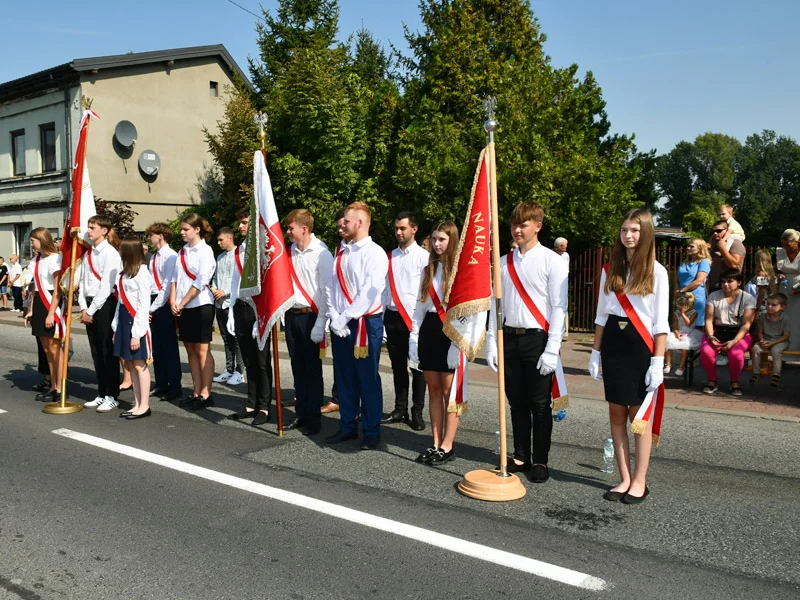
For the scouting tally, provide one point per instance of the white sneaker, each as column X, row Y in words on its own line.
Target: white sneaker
column 722, row 360
column 236, row 378
column 223, row 377
column 679, row 372
column 108, row 404
column 94, row 403
column 667, row 368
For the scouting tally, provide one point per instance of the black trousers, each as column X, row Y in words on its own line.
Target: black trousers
column 257, row 363
column 166, row 356
column 43, row 367
column 100, row 335
column 17, row 293
column 233, row 355
column 397, row 335
column 528, row 395
column 306, row 366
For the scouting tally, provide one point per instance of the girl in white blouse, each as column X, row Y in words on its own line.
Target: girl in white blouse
column 631, row 330
column 193, row 305
column 44, row 317
column 429, row 346
column 131, row 324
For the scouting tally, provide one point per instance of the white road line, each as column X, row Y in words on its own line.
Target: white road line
column 2, row 411
column 432, row 538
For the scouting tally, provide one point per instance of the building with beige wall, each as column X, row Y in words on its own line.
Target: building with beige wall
column 169, row 96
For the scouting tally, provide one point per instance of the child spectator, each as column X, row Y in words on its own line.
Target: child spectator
column 735, row 228
column 765, row 282
column 685, row 336
column 772, row 335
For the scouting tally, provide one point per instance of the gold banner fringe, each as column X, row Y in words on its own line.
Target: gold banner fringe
column 561, row 403
column 459, row 409
column 638, row 426
column 470, row 352
column 360, row 352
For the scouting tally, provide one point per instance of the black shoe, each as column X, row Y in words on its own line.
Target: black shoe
column 188, row 400
column 244, row 414
column 425, row 456
column 48, row 396
column 42, row 386
column 125, row 389
column 123, row 415
column 417, row 422
column 612, row 496
column 200, row 403
column 341, row 436
column 261, row 418
column 440, row 456
column 132, row 417
column 628, row 499
column 159, row 391
column 169, row 396
column 295, row 424
column 370, row 442
column 512, row 467
column 394, row 417
column 539, row 474
column 311, row 429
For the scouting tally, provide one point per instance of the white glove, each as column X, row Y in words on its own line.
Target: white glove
column 655, row 374
column 491, row 354
column 340, row 323
column 231, row 324
column 318, row 332
column 413, row 354
column 594, row 366
column 453, row 357
column 342, row 333
column 548, row 362
column 255, row 330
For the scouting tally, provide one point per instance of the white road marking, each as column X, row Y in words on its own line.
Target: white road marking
column 432, row 538
column 2, row 411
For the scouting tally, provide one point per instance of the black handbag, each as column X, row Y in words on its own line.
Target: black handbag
column 725, row 333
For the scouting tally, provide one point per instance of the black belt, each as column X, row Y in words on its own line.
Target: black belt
column 520, row 330
column 301, row 311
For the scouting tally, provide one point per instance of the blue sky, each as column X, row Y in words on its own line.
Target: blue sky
column 669, row 70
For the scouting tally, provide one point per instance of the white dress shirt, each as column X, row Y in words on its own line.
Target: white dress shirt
column 107, row 264
column 48, row 267
column 422, row 308
column 314, row 268
column 137, row 290
column 653, row 308
column 164, row 262
column 407, row 268
column 200, row 262
column 544, row 275
column 13, row 270
column 364, row 265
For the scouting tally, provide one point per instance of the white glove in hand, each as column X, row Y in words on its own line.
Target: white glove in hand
column 413, row 354
column 548, row 362
column 655, row 374
column 231, row 325
column 318, row 333
column 342, row 333
column 491, row 354
column 340, row 324
column 255, row 330
column 594, row 366
column 453, row 357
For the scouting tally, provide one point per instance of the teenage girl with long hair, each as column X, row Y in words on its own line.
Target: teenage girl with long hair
column 632, row 317
column 43, row 315
column 429, row 346
column 193, row 304
column 131, row 324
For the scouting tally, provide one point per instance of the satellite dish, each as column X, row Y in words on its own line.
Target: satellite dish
column 125, row 134
column 149, row 163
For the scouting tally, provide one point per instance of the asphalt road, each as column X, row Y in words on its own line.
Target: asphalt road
column 81, row 521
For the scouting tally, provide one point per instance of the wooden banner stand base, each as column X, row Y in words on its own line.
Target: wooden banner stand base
column 490, row 485
column 57, row 408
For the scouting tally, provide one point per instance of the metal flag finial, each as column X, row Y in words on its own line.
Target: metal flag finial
column 489, row 106
column 261, row 120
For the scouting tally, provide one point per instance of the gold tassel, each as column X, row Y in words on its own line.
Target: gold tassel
column 459, row 409
column 361, row 351
column 322, row 352
column 149, row 361
column 656, row 440
column 561, row 403
column 638, row 426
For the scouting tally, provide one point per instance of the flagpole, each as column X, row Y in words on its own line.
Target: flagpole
column 261, row 120
column 497, row 485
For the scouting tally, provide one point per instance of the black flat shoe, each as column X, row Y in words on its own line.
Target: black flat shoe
column 47, row 396
column 125, row 414
column 261, row 418
column 513, row 467
column 417, row 423
column 132, row 417
column 539, row 473
column 201, row 403
column 612, row 496
column 440, row 456
column 628, row 499
column 394, row 417
column 341, row 436
column 125, row 389
column 188, row 400
column 245, row 414
column 295, row 424
column 311, row 429
column 425, row 456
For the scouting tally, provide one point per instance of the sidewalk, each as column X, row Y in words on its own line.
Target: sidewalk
column 761, row 400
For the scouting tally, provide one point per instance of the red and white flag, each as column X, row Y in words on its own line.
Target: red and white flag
column 266, row 275
column 81, row 207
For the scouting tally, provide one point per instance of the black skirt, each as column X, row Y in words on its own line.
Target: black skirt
column 625, row 358
column 194, row 324
column 39, row 317
column 433, row 345
column 122, row 338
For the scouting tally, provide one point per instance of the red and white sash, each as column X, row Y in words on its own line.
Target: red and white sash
column 94, row 272
column 186, row 270
column 239, row 266
column 558, row 390
column 323, row 345
column 459, row 391
column 652, row 408
column 46, row 296
column 154, row 269
column 396, row 296
column 361, row 348
column 127, row 304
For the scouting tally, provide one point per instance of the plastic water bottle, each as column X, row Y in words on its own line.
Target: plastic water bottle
column 497, row 442
column 560, row 415
column 608, row 456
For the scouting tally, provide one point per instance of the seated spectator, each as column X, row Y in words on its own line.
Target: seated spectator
column 726, row 253
column 765, row 282
column 788, row 256
column 685, row 336
column 726, row 214
column 729, row 315
column 772, row 335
